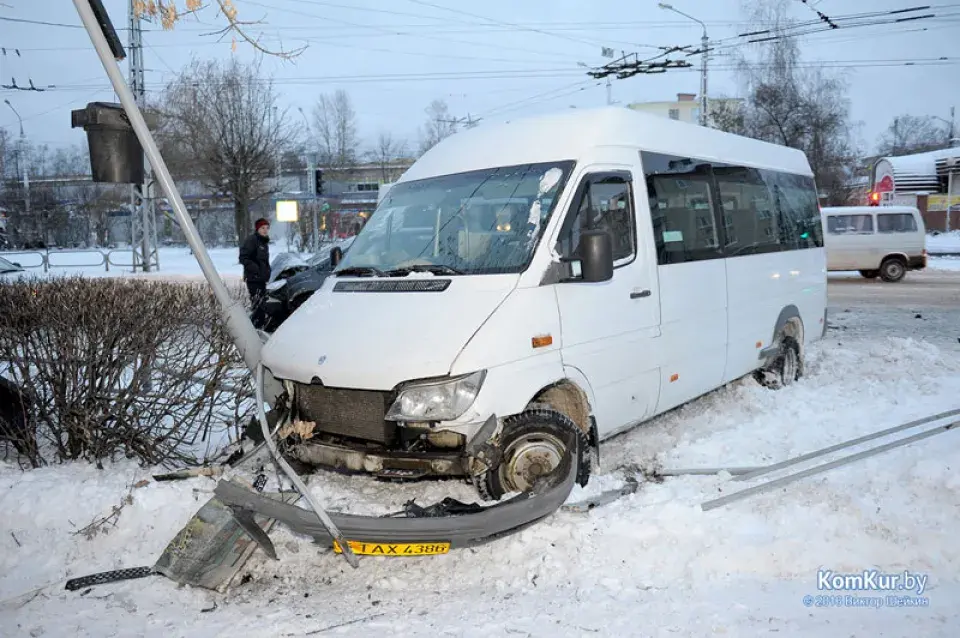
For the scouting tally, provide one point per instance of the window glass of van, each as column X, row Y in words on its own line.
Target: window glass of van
column 680, row 195
column 750, row 225
column 604, row 202
column 896, row 223
column 478, row 222
column 849, row 224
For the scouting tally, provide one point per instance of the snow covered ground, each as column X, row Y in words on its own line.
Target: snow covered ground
column 650, row 564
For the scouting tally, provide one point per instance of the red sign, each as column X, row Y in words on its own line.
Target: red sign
column 885, row 185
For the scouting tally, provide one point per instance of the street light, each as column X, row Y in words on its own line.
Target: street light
column 703, row 61
column 7, row 102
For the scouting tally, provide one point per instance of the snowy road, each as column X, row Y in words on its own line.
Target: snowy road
column 651, row 564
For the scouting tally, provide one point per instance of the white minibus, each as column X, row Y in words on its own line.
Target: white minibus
column 528, row 289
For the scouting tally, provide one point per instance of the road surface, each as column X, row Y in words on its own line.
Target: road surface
column 923, row 305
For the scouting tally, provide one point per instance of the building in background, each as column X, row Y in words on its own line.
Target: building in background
column 930, row 181
column 686, row 108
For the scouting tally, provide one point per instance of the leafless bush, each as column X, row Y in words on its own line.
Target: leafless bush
column 137, row 368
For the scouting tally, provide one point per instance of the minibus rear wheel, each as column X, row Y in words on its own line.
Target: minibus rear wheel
column 870, row 274
column 534, row 444
column 892, row 269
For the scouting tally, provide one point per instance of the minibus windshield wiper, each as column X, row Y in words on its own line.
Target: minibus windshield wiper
column 359, row 271
column 436, row 269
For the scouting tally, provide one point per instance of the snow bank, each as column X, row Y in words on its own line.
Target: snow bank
column 651, row 563
column 944, row 263
column 944, row 243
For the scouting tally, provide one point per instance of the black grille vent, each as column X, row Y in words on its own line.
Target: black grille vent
column 357, row 414
column 393, row 285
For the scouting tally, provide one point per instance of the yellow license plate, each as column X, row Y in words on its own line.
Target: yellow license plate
column 395, row 549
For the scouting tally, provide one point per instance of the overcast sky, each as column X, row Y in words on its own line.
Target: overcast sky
column 505, row 59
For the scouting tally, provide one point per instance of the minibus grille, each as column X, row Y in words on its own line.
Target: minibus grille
column 358, row 414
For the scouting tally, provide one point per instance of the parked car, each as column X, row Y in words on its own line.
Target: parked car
column 8, row 268
column 288, row 291
column 884, row 241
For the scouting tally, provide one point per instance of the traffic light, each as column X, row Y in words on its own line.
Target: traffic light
column 318, row 182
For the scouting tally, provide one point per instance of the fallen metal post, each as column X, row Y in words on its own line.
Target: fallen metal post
column 845, row 444
column 706, row 471
column 790, row 478
column 241, row 327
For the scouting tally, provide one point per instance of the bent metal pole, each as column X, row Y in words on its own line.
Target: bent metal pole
column 244, row 335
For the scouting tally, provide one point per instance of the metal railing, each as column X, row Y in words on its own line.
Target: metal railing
column 47, row 259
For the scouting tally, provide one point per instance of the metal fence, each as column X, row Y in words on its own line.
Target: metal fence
column 47, row 259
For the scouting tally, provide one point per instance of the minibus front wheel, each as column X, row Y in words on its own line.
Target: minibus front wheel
column 533, row 444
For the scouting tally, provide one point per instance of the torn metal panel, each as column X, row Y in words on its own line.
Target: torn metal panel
column 460, row 530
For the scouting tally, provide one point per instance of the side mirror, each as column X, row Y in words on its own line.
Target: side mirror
column 596, row 256
column 336, row 256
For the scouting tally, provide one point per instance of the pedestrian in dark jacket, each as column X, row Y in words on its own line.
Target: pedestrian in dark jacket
column 255, row 257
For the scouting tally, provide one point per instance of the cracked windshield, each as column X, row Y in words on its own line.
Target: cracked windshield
column 481, row 222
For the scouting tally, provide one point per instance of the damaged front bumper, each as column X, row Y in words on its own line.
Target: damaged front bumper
column 459, row 524
column 446, row 522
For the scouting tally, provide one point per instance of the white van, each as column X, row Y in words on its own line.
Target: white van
column 529, row 289
column 884, row 241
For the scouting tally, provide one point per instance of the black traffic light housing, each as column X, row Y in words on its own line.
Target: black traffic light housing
column 318, row 181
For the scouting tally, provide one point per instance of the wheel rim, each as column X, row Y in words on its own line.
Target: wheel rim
column 894, row 269
column 790, row 366
column 528, row 458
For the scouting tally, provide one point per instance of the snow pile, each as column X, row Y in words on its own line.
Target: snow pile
column 650, row 562
column 944, row 243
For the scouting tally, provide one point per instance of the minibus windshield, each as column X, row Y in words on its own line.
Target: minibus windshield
column 480, row 222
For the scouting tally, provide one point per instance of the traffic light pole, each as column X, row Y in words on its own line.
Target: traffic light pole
column 312, row 178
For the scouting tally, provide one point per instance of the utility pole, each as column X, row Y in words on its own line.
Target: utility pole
column 23, row 164
column 143, row 226
column 703, row 61
column 312, row 167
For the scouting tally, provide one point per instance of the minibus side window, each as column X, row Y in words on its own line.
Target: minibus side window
column 605, row 201
column 748, row 211
column 849, row 224
column 896, row 223
column 680, row 191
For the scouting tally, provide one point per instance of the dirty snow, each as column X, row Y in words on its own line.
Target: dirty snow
column 650, row 564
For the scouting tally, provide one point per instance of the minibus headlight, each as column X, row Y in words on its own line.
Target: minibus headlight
column 437, row 401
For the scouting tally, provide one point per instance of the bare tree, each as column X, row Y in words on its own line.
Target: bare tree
column 219, row 126
column 439, row 125
column 800, row 106
column 336, row 125
column 169, row 14
column 913, row 134
column 727, row 115
column 386, row 151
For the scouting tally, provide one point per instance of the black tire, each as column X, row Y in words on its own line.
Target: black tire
column 893, row 269
column 540, row 431
column 785, row 369
column 870, row 274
